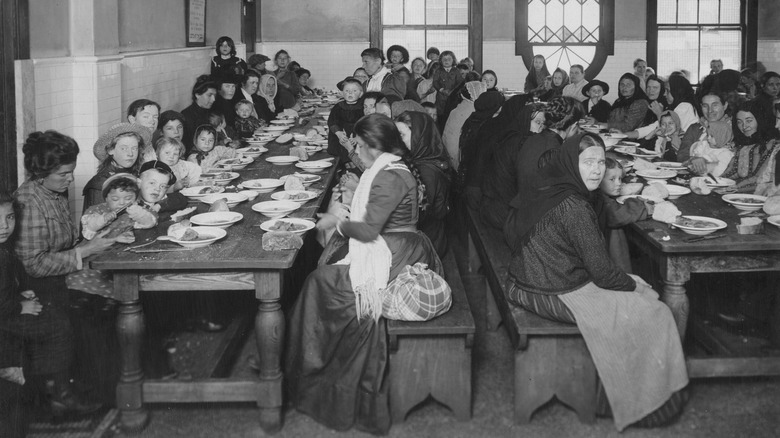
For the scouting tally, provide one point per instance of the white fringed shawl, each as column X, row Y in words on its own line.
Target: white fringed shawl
column 369, row 262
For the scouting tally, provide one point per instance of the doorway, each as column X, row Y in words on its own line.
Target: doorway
column 249, row 25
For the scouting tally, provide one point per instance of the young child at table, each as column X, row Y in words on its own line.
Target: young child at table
column 205, row 153
column 342, row 119
column 619, row 215
column 597, row 108
column 225, row 133
column 155, row 179
column 666, row 140
column 246, row 124
column 170, row 152
column 117, row 217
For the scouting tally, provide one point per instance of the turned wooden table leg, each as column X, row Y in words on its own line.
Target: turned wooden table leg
column 269, row 333
column 675, row 297
column 130, row 329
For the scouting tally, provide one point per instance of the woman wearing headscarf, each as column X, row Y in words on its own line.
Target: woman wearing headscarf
column 507, row 176
column 455, row 98
column 754, row 166
column 629, row 110
column 458, row 116
column 485, row 108
column 682, row 101
column 402, row 106
column 561, row 270
column 337, row 354
column 560, row 79
column 419, row 133
column 269, row 106
column 534, row 82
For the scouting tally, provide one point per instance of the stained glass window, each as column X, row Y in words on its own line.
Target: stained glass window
column 566, row 32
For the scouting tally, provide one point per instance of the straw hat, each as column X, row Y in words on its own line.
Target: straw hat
column 99, row 149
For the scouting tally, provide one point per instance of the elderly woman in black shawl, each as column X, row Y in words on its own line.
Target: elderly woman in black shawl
column 561, row 270
column 629, row 110
column 485, row 108
column 419, row 132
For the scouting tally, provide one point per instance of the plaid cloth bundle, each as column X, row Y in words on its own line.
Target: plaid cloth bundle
column 417, row 294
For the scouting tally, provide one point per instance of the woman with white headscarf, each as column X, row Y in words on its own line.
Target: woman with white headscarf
column 269, row 106
column 458, row 117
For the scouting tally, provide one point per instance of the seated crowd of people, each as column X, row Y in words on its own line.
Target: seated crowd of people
column 415, row 144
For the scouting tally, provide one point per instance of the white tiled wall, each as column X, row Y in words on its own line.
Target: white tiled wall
column 769, row 54
column 329, row 62
column 500, row 57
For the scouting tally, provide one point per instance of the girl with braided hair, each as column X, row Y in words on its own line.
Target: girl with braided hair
column 337, row 358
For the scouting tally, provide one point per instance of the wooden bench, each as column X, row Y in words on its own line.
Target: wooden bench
column 434, row 357
column 551, row 358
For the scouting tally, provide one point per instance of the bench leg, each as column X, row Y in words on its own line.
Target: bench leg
column 437, row 366
column 492, row 315
column 559, row 367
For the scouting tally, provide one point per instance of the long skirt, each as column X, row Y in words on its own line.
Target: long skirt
column 335, row 364
column 634, row 343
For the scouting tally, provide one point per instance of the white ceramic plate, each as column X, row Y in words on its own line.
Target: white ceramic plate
column 232, row 199
column 302, row 196
column 212, row 176
column 635, row 152
column 717, row 224
column 274, row 209
column 656, row 174
column 194, row 191
column 307, row 178
column 283, row 122
column 276, row 128
column 262, row 185
column 252, row 151
column 677, row 191
column 313, row 166
column 219, row 219
column 774, row 220
column 206, row 236
column 235, row 163
column 670, row 165
column 282, row 160
column 719, row 182
column 304, row 223
column 742, row 201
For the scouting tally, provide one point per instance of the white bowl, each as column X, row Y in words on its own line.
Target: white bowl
column 299, row 196
column 656, row 174
column 612, row 139
column 206, row 236
column 304, row 225
column 283, row 122
column 252, row 151
column 235, row 163
column 307, row 178
column 232, row 199
column 219, row 219
column 742, row 201
column 194, row 192
column 701, row 231
column 314, row 166
column 670, row 165
column 217, row 177
column 282, row 160
column 274, row 209
column 262, row 185
column 276, row 128
column 676, row 191
column 250, row 194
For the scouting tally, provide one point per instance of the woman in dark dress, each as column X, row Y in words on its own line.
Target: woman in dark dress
column 629, row 110
column 337, row 357
column 204, row 94
column 420, row 135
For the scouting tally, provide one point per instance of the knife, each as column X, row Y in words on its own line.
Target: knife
column 699, row 238
column 144, row 251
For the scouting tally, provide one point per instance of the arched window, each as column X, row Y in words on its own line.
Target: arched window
column 566, row 32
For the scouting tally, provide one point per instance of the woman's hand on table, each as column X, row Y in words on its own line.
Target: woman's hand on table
column 98, row 244
column 697, row 165
column 31, row 307
column 126, row 237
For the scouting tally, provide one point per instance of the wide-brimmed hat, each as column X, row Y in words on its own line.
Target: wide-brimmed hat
column 593, row 83
column 162, row 167
column 99, row 149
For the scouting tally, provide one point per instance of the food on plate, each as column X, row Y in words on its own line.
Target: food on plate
column 630, row 189
column 221, row 175
column 657, row 190
column 179, row 215
column 189, row 235
column 772, row 205
column 750, row 225
column 311, row 133
column 746, row 200
column 277, row 240
column 640, row 164
column 178, row 226
column 284, row 138
column 231, row 161
column 281, row 225
column 694, row 223
column 219, row 205
column 666, row 212
column 699, row 186
column 300, row 152
column 207, row 191
column 293, row 183
column 297, row 196
column 254, row 150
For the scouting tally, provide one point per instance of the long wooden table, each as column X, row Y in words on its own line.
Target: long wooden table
column 236, row 262
column 679, row 259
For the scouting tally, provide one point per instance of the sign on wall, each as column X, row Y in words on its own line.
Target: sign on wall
column 195, row 12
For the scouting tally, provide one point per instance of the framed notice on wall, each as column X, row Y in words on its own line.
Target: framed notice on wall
column 195, row 11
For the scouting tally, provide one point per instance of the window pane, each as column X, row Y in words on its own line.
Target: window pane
column 591, row 17
column 437, row 12
column 555, row 20
column 687, row 11
column 708, row 11
column 458, row 12
column 414, row 12
column 455, row 40
column 412, row 40
column 564, row 57
column 667, row 12
column 720, row 44
column 536, row 33
column 678, row 49
column 729, row 11
column 392, row 11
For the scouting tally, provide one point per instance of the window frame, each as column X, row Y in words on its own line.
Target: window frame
column 748, row 12
column 604, row 47
column 474, row 27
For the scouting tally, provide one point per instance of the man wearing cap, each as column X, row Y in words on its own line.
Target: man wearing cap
column 257, row 62
column 578, row 81
column 382, row 79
